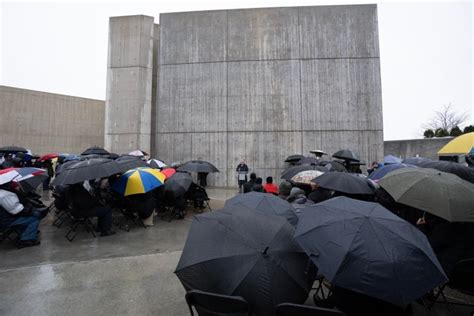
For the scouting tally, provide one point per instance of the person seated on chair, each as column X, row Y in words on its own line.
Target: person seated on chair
column 257, row 186
column 176, row 201
column 197, row 194
column 13, row 213
column 143, row 205
column 248, row 185
column 84, row 204
column 270, row 187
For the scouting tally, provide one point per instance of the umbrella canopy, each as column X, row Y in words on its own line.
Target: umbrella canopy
column 294, row 158
column 439, row 193
column 138, row 181
column 156, row 163
column 256, row 258
column 127, row 162
column 48, row 157
column 30, row 178
column 198, row 166
column 333, row 166
column 7, row 175
column 87, row 170
column 306, row 176
column 416, row 161
column 71, row 158
column 168, row 172
column 461, row 145
column 95, row 151
column 308, row 160
column 265, row 203
column 390, row 159
column 294, row 170
column 318, row 152
column 461, row 171
column 344, row 182
column 65, row 165
column 382, row 172
column 12, row 150
column 346, row 154
column 138, row 153
column 363, row 247
column 178, row 183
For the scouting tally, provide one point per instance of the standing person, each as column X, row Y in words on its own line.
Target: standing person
column 242, row 171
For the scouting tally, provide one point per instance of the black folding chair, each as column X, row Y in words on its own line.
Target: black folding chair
column 212, row 304
column 289, row 309
column 77, row 225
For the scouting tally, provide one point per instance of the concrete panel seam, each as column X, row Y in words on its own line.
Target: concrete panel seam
column 273, row 131
column 255, row 60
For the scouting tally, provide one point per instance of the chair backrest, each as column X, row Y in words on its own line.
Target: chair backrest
column 462, row 276
column 208, row 304
column 289, row 309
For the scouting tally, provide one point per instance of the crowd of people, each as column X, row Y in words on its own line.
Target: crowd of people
column 22, row 210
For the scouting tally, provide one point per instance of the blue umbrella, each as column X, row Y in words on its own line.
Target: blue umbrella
column 471, row 153
column 390, row 159
column 363, row 247
column 381, row 172
column 71, row 158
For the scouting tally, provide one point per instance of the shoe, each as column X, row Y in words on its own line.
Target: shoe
column 28, row 243
column 107, row 233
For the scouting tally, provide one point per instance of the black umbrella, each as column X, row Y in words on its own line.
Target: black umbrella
column 294, row 170
column 245, row 253
column 265, row 203
column 95, row 151
column 344, row 182
column 179, row 183
column 363, row 247
column 87, row 170
column 198, row 166
column 346, row 154
column 12, row 149
column 127, row 162
column 333, row 165
column 308, row 160
column 461, row 171
column 65, row 165
column 294, row 158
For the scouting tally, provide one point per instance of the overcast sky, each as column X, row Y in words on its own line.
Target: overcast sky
column 426, row 50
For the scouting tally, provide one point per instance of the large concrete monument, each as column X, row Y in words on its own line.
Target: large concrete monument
column 256, row 84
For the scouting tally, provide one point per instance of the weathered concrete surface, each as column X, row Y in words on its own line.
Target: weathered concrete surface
column 339, row 31
column 262, row 84
column 260, row 34
column 129, row 84
column 193, row 37
column 427, row 147
column 47, row 122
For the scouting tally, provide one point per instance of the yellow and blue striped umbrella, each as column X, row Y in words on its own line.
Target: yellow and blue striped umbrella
column 139, row 180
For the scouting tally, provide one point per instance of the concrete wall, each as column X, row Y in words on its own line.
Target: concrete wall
column 427, row 147
column 129, row 84
column 47, row 122
column 261, row 84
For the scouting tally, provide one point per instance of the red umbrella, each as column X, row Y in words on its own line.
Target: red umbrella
column 168, row 172
column 48, row 156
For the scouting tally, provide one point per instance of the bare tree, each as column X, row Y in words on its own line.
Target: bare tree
column 446, row 119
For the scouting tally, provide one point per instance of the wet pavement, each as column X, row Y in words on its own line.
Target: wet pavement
column 130, row 273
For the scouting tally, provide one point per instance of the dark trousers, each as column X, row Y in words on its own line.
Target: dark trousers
column 103, row 214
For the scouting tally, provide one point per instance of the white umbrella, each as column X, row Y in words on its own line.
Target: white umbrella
column 8, row 176
column 306, row 176
column 156, row 163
